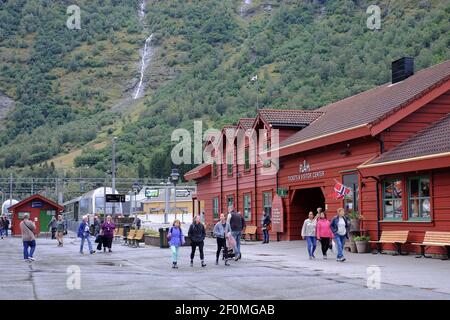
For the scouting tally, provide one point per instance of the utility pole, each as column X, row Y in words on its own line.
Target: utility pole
column 113, row 182
column 10, row 188
column 104, row 199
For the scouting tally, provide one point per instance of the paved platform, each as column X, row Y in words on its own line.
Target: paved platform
column 279, row 270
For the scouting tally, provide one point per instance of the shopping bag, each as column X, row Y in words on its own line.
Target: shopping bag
column 334, row 248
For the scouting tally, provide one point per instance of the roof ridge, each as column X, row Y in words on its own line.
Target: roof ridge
column 291, row 110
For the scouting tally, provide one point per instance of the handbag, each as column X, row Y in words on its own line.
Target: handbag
column 269, row 226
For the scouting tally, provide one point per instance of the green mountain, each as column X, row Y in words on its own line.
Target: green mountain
column 72, row 90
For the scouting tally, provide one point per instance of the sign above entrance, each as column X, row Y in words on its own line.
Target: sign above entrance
column 277, row 214
column 282, row 192
column 305, row 173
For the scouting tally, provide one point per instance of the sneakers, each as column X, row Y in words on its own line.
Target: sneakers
column 174, row 265
column 192, row 263
column 93, row 252
column 203, row 264
column 217, row 262
column 227, row 263
column 325, row 257
column 341, row 259
column 110, row 251
column 31, row 259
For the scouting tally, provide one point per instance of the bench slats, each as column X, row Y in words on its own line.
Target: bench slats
column 393, row 237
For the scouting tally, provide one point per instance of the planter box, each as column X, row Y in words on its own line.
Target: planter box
column 151, row 240
column 354, row 225
column 362, row 246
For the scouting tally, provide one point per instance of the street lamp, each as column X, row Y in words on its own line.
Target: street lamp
column 113, row 173
column 136, row 188
column 174, row 177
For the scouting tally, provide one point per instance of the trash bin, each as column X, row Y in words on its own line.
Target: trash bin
column 126, row 229
column 163, row 232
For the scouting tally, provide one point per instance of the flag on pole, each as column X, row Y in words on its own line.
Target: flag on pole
column 340, row 191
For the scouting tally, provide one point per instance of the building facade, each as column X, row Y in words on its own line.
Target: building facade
column 389, row 145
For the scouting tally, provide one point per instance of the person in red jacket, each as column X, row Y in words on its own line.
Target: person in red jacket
column 324, row 233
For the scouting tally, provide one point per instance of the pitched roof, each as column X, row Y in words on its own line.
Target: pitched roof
column 247, row 123
column 288, row 118
column 199, row 171
column 34, row 197
column 429, row 141
column 372, row 106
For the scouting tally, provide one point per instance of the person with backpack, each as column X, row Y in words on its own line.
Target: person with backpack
column 107, row 229
column 266, row 226
column 197, row 235
column 176, row 240
column 237, row 224
column 221, row 229
column 52, row 226
column 137, row 222
column 5, row 225
column 28, row 229
column 323, row 232
column 340, row 226
column 84, row 234
column 60, row 227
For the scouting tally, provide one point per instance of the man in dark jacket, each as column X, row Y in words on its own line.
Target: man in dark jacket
column 237, row 224
column 197, row 235
column 52, row 226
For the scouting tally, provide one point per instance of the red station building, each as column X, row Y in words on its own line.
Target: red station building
column 390, row 145
column 40, row 209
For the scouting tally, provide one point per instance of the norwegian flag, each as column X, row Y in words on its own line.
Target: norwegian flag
column 340, row 191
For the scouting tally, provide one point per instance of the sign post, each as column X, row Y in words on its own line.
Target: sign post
column 277, row 215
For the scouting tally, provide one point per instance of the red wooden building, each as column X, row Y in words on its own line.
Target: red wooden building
column 390, row 145
column 40, row 209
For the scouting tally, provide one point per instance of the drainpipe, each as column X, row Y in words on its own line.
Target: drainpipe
column 237, row 182
column 221, row 189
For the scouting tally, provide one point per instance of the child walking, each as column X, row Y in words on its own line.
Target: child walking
column 176, row 240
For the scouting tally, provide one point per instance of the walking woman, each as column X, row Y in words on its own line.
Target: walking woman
column 83, row 233
column 176, row 240
column 340, row 227
column 28, row 228
column 221, row 229
column 266, row 227
column 309, row 233
column 107, row 233
column 60, row 226
column 197, row 234
column 323, row 233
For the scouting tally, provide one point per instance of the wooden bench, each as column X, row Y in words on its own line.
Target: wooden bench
column 394, row 237
column 118, row 233
column 434, row 239
column 138, row 237
column 130, row 236
column 250, row 231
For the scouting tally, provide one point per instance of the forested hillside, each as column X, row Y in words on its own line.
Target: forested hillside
column 305, row 53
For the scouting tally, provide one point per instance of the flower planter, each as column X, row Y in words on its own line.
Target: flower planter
column 362, row 246
column 353, row 248
column 151, row 240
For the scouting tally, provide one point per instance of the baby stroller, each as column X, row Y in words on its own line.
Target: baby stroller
column 231, row 244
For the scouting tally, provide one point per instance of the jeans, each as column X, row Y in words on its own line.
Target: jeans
column 311, row 241
column 325, row 245
column 174, row 250
column 200, row 248
column 221, row 244
column 28, row 244
column 88, row 238
column 6, row 231
column 340, row 241
column 237, row 236
column 1, row 232
column 266, row 235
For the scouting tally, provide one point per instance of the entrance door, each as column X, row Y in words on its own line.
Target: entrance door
column 304, row 200
column 44, row 218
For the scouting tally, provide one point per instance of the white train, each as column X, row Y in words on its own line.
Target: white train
column 92, row 202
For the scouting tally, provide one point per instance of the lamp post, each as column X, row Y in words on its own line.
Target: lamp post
column 174, row 177
column 113, row 173
column 136, row 188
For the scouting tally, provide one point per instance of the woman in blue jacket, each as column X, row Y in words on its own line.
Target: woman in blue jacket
column 176, row 240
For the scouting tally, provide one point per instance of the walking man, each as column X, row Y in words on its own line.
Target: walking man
column 52, row 226
column 60, row 227
column 27, row 229
column 5, row 224
column 237, row 224
column 83, row 233
column 266, row 226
